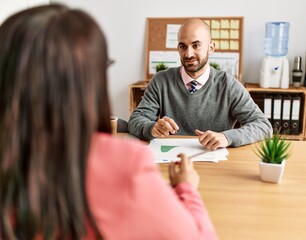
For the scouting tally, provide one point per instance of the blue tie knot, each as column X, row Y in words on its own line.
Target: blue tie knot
column 192, row 88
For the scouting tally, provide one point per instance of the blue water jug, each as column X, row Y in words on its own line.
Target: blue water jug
column 276, row 39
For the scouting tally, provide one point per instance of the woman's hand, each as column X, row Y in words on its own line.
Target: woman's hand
column 183, row 171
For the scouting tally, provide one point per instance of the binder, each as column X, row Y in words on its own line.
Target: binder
column 276, row 112
column 286, row 113
column 268, row 107
column 295, row 114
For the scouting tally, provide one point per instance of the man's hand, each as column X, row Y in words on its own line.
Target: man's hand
column 212, row 140
column 163, row 127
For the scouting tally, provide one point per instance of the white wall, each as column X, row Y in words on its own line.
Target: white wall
column 123, row 22
column 8, row 7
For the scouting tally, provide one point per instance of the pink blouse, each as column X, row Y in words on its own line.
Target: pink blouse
column 130, row 199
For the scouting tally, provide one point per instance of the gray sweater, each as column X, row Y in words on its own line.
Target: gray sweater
column 217, row 106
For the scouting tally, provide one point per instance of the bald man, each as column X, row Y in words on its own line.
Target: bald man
column 195, row 99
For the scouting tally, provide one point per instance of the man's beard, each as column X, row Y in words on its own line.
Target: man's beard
column 195, row 68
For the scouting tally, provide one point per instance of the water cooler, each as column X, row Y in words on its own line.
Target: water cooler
column 274, row 72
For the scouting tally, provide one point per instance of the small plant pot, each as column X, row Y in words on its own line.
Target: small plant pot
column 271, row 172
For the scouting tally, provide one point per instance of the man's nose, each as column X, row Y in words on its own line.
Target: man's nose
column 189, row 52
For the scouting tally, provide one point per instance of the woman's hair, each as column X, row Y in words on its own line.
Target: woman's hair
column 53, row 97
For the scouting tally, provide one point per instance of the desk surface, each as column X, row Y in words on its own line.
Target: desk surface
column 241, row 206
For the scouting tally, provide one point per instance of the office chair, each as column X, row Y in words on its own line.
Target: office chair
column 122, row 126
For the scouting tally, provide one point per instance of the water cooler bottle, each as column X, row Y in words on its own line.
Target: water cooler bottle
column 274, row 72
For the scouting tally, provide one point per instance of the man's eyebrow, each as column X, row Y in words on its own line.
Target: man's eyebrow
column 197, row 41
column 194, row 42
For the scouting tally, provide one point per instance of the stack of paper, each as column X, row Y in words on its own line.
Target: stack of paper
column 166, row 150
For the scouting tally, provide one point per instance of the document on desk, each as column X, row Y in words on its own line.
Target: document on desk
column 166, row 150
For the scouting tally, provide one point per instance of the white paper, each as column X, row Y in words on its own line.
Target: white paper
column 169, row 58
column 171, row 36
column 228, row 62
column 166, row 150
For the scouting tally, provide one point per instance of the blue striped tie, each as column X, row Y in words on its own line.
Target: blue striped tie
column 192, row 89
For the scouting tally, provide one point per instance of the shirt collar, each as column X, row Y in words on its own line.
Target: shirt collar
column 201, row 80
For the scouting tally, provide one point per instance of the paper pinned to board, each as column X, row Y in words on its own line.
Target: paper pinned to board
column 171, row 35
column 166, row 150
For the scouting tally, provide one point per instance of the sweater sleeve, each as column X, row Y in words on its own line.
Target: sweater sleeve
column 145, row 115
column 162, row 213
column 255, row 126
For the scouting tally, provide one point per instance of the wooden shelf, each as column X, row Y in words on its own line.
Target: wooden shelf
column 255, row 87
column 291, row 90
column 136, row 91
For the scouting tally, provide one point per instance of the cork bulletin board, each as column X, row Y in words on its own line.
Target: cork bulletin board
column 226, row 32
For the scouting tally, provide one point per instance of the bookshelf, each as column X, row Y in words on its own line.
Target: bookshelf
column 136, row 91
column 256, row 90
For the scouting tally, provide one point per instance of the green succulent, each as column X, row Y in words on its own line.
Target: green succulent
column 214, row 65
column 160, row 66
column 274, row 149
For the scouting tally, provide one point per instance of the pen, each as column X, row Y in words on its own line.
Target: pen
column 166, row 115
column 193, row 156
column 198, row 154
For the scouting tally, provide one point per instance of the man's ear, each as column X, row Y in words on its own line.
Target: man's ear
column 211, row 48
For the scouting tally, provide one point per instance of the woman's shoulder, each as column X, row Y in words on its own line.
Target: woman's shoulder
column 108, row 141
column 111, row 156
column 117, row 148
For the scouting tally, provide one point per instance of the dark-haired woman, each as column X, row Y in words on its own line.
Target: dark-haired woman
column 62, row 174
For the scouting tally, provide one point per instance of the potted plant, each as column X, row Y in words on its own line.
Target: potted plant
column 160, row 66
column 273, row 152
column 214, row 65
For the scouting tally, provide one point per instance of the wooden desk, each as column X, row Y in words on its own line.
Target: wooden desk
column 243, row 207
